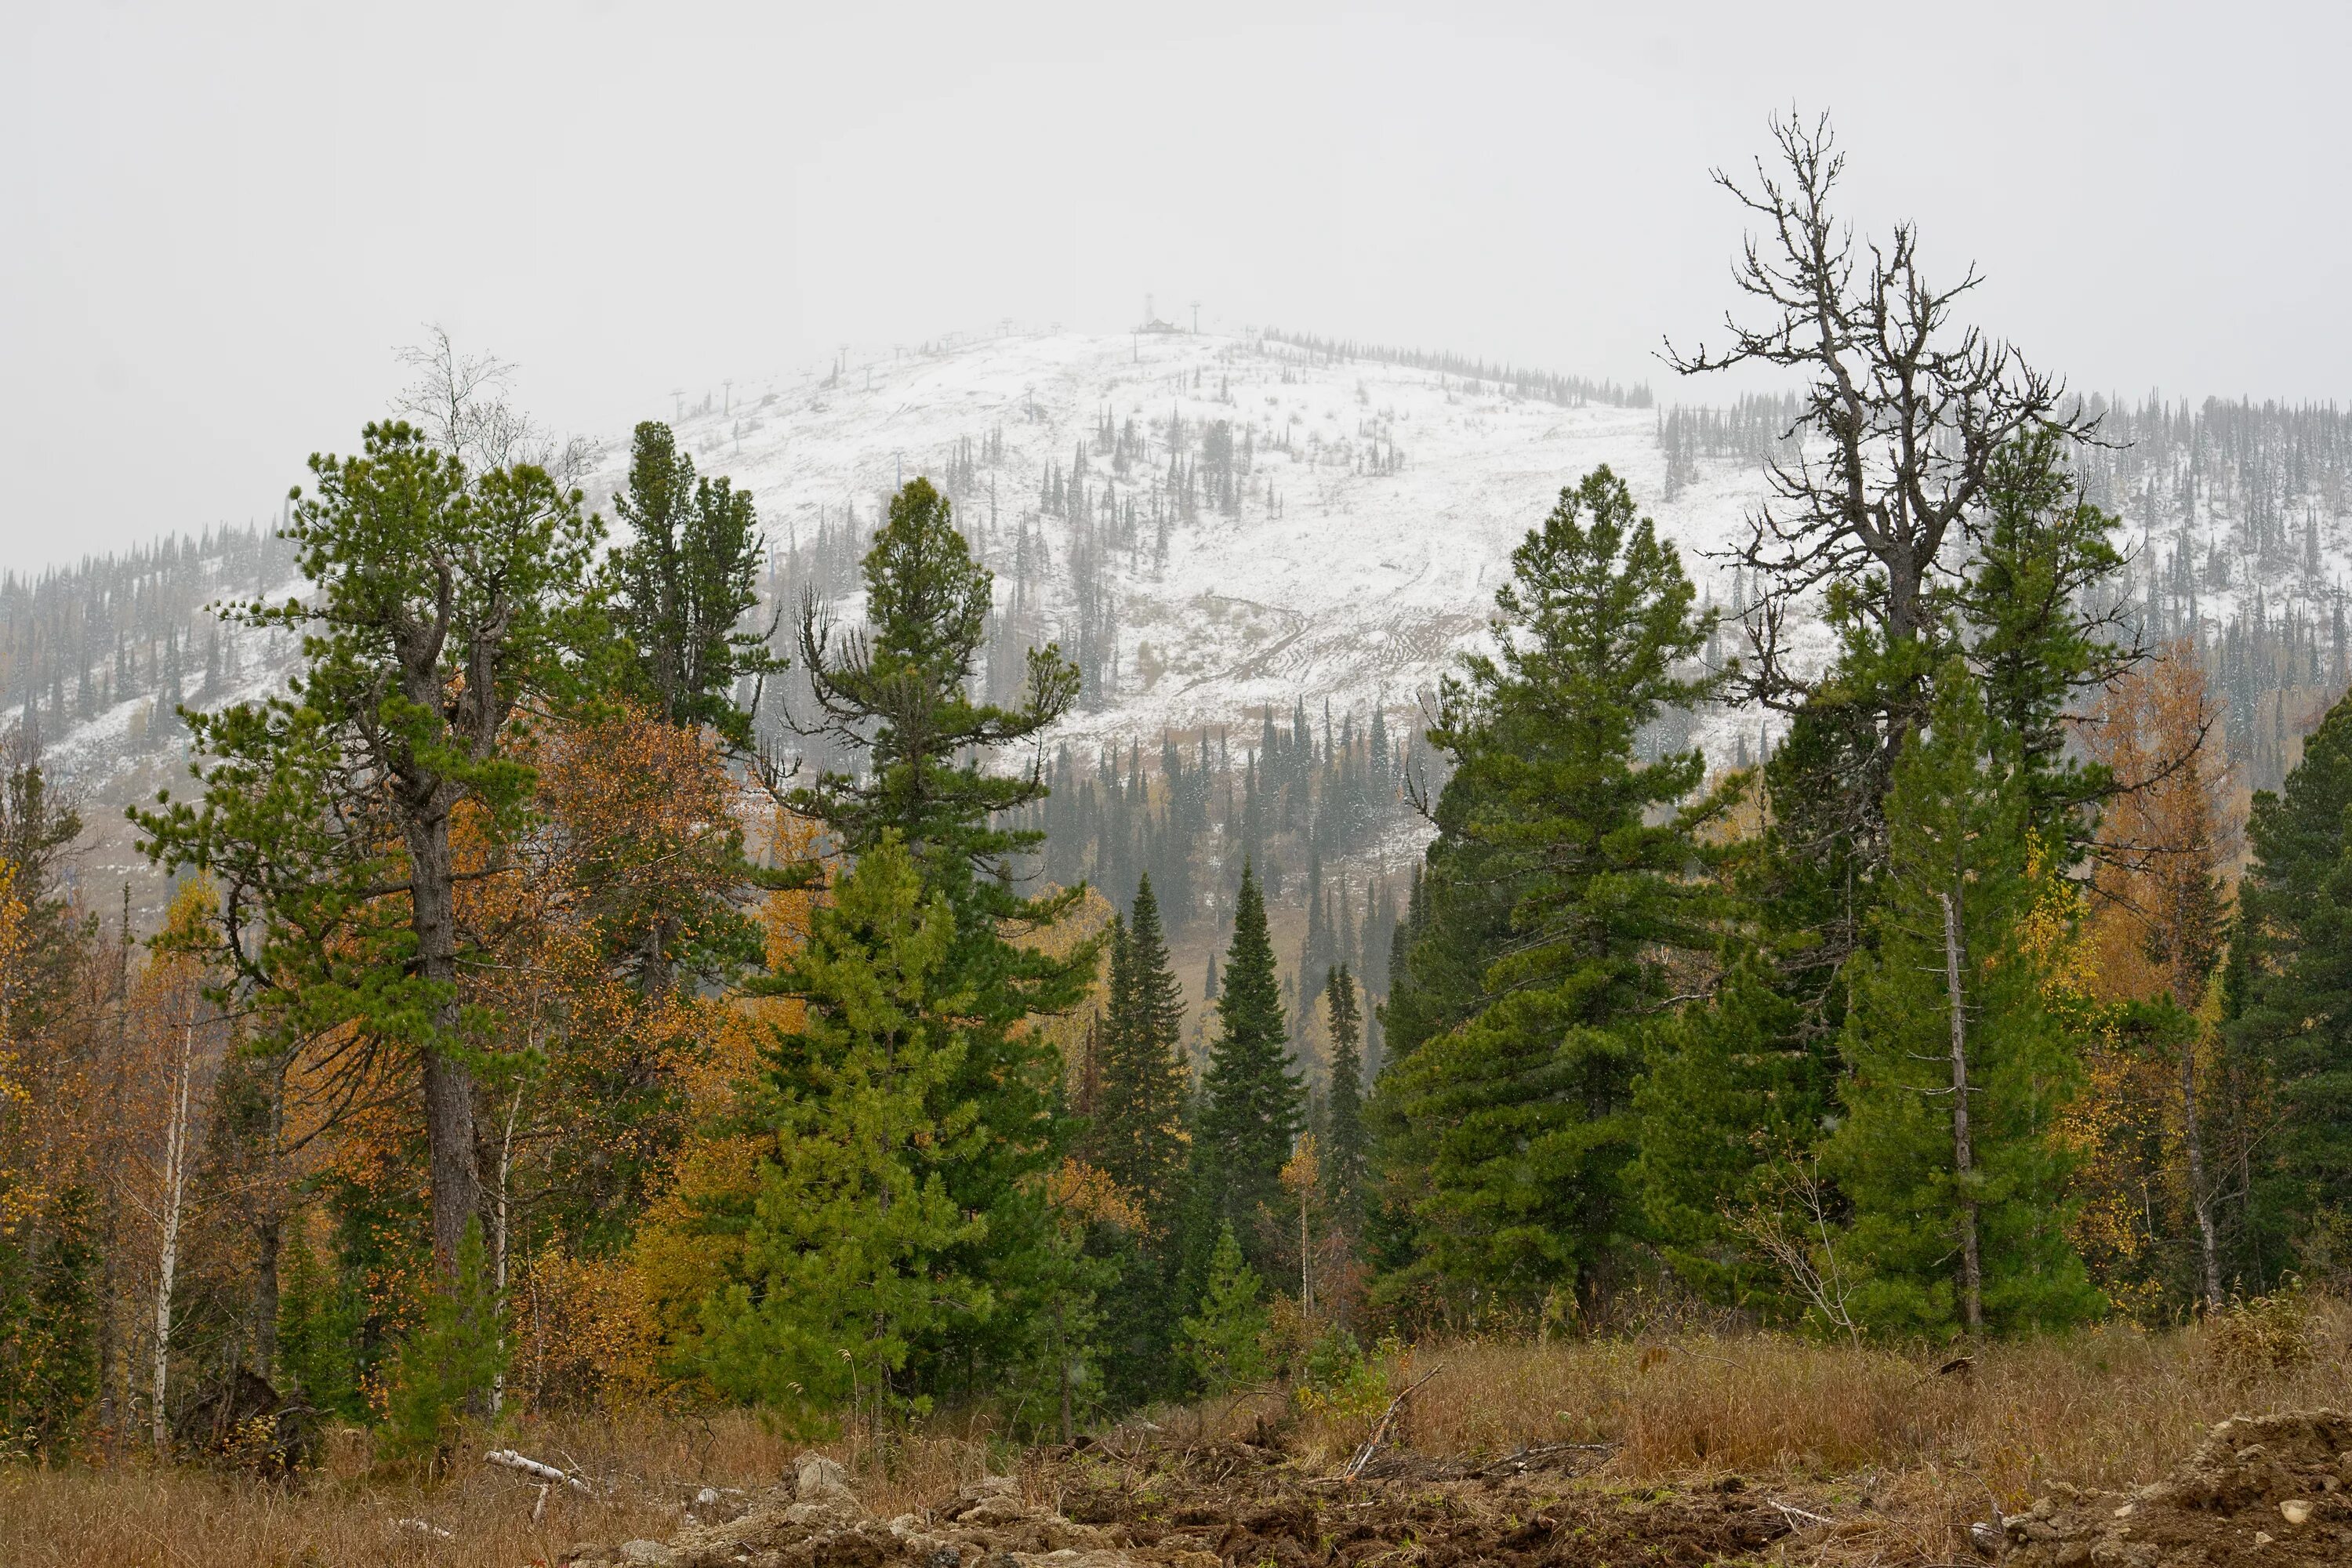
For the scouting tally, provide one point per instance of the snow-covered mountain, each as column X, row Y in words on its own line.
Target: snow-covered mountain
column 1220, row 526
column 1211, row 524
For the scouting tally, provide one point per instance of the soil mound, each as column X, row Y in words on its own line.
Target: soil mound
column 1210, row 1506
column 2274, row 1490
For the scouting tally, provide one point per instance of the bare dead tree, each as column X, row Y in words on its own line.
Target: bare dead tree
column 460, row 402
column 1904, row 414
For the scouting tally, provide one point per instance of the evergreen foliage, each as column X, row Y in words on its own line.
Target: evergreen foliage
column 1345, row 1164
column 682, row 585
column 1946, row 1149
column 1726, row 1091
column 1139, row 1137
column 326, row 814
column 898, row 696
column 1224, row 1342
column 850, row 1261
column 2289, row 979
column 1519, row 1118
column 443, row 1372
column 1254, row 1102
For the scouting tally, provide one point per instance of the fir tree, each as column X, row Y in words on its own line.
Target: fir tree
column 1344, row 1166
column 1139, row 1133
column 1224, row 1342
column 850, row 1260
column 1254, row 1103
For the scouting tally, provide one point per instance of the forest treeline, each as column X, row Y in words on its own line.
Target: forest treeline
column 534, row 1027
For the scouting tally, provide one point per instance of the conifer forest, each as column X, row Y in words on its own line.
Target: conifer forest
column 536, row 932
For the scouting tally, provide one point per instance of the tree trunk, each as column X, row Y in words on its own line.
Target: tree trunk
column 2199, row 1196
column 167, row 1254
column 448, row 1082
column 269, row 1220
column 498, row 1252
column 1963, row 1153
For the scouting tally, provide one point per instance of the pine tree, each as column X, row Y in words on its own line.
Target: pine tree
column 446, row 1367
column 1959, row 1067
column 900, row 697
column 445, row 605
column 1727, row 1090
column 1139, row 1133
column 681, row 585
column 1515, row 1127
column 1254, row 1103
column 1344, row 1138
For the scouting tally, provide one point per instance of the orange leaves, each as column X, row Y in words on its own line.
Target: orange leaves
column 2166, row 840
column 1086, row 1194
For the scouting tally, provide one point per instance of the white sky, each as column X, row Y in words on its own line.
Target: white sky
column 217, row 221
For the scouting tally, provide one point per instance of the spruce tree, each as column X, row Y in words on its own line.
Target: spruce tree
column 1344, row 1140
column 1138, row 1120
column 1959, row 1067
column 1224, row 1342
column 1727, row 1090
column 1254, row 1103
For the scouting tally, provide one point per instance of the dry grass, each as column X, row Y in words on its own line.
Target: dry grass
column 134, row 1516
column 2107, row 1407
column 1912, row 1452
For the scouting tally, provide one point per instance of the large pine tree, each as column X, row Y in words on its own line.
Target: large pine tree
column 898, row 694
column 1513, row 1129
column 447, row 606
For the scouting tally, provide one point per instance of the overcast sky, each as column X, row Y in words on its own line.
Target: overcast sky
column 217, row 221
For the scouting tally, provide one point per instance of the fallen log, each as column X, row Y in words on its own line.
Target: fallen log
column 545, row 1472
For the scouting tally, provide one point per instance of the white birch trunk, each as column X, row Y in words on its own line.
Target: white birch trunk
column 167, row 1260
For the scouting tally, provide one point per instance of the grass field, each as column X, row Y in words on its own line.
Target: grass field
column 1921, row 1450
